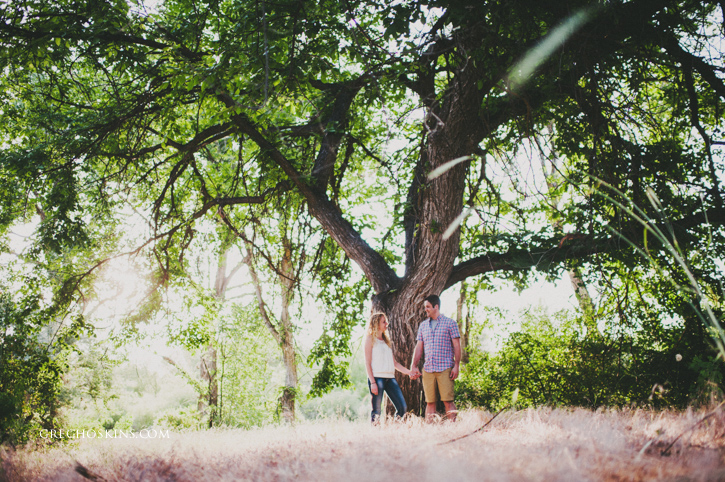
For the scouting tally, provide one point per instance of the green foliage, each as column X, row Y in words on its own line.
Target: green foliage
column 709, row 385
column 34, row 343
column 555, row 361
column 198, row 319
column 246, row 358
column 331, row 374
column 107, row 388
column 90, row 374
column 178, row 420
column 351, row 402
column 248, row 369
column 345, row 300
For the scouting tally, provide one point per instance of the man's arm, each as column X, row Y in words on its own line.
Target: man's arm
column 456, row 357
column 414, row 372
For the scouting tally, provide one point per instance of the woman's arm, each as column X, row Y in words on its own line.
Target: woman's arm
column 368, row 345
column 417, row 353
column 401, row 368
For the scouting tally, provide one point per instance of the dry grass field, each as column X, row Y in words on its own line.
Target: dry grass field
column 537, row 445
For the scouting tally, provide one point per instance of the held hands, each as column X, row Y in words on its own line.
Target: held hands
column 415, row 373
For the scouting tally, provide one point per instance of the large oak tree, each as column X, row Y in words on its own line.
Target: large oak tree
column 356, row 102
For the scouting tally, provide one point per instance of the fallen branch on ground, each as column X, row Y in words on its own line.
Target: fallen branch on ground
column 664, row 452
column 478, row 429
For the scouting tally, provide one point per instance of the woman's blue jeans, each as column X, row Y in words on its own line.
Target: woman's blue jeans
column 395, row 394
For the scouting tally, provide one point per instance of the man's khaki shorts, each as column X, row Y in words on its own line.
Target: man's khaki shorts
column 444, row 383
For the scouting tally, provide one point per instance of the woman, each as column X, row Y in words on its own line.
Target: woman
column 381, row 367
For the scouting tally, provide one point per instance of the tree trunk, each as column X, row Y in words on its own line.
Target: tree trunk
column 209, row 401
column 208, row 362
column 283, row 333
column 433, row 206
column 585, row 301
column 289, row 355
column 464, row 323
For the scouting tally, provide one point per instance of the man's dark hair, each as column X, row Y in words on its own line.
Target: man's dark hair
column 433, row 300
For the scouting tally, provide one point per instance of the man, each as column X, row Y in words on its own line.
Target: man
column 439, row 338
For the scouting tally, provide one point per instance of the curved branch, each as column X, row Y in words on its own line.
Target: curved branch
column 557, row 251
column 706, row 71
column 334, row 129
column 376, row 269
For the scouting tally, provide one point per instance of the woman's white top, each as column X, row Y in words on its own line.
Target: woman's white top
column 382, row 360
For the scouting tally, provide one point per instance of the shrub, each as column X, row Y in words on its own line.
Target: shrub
column 32, row 365
column 555, row 362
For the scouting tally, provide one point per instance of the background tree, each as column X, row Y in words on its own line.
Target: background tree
column 208, row 363
column 283, row 250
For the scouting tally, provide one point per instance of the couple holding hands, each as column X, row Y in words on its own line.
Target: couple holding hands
column 438, row 337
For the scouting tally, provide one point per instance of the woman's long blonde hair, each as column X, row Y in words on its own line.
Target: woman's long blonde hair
column 373, row 327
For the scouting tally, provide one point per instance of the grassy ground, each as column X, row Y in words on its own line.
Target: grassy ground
column 540, row 445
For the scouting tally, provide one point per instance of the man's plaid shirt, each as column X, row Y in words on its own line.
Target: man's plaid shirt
column 438, row 343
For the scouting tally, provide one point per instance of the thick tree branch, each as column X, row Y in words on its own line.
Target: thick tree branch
column 686, row 59
column 313, row 128
column 376, row 269
column 580, row 247
column 82, row 34
column 204, row 138
column 411, row 214
column 334, row 131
